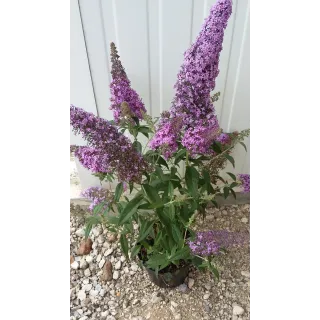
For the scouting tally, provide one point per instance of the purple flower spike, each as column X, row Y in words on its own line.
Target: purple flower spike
column 121, row 91
column 245, row 182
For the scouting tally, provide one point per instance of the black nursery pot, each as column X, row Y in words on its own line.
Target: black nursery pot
column 169, row 279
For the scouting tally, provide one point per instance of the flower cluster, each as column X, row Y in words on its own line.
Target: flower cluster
column 110, row 150
column 209, row 243
column 167, row 136
column 97, row 195
column 198, row 140
column 223, row 138
column 196, row 79
column 121, row 91
column 245, row 182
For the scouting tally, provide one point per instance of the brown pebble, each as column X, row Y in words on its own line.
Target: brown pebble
column 85, row 247
column 71, row 259
column 106, row 272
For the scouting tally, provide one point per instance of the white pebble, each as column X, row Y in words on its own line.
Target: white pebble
column 206, row 296
column 116, row 275
column 134, row 267
column 246, row 274
column 87, row 272
column 93, row 293
column 237, row 310
column 101, row 263
column 98, row 258
column 108, row 252
column 244, row 220
column 89, row 259
column 88, row 287
column 81, row 295
column 80, row 233
column 118, row 265
column 75, row 265
column 190, row 283
column 122, row 258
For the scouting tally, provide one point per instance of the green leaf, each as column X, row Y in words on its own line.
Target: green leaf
column 170, row 211
column 230, row 159
column 134, row 251
column 233, row 193
column 131, row 186
column 245, row 147
column 232, row 176
column 163, row 162
column 145, row 229
column 170, row 189
column 157, row 260
column 87, row 230
column 183, row 254
column 216, row 147
column 233, row 184
column 130, row 209
column 118, row 192
column 124, row 245
column 220, row 178
column 214, row 270
column 192, row 179
column 176, row 233
column 151, row 194
column 179, row 156
column 226, row 192
column 138, row 146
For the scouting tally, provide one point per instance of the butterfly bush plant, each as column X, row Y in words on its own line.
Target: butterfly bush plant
column 172, row 178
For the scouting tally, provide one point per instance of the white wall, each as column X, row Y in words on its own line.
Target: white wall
column 151, row 37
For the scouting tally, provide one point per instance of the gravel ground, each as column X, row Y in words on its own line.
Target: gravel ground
column 131, row 295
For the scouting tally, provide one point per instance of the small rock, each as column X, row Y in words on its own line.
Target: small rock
column 111, row 318
column 126, row 270
column 80, row 311
column 190, row 283
column 98, row 259
column 83, row 318
column 83, row 264
column 93, row 293
column 134, row 267
column 89, row 259
column 118, row 265
column 206, row 296
column 237, row 310
column 102, row 292
column 87, row 272
column 80, row 233
column 106, row 272
column 108, row 252
column 148, row 316
column 96, row 231
column 135, row 301
column 71, row 259
column 105, row 313
column 156, row 298
column 234, row 317
column 246, row 274
column 122, row 258
column 101, row 263
column 81, row 295
column 224, row 212
column 244, row 220
column 116, row 275
column 85, row 247
column 112, row 238
column 75, row 265
column 207, row 286
column 88, row 287
column 182, row 288
column 174, row 304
